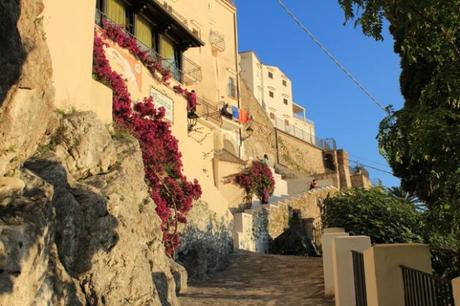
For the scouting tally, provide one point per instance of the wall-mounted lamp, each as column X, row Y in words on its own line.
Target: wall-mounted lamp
column 249, row 132
column 192, row 119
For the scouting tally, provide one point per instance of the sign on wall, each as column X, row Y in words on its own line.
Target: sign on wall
column 161, row 100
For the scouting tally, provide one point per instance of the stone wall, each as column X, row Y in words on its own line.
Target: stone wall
column 263, row 139
column 206, row 242
column 302, row 156
column 257, row 226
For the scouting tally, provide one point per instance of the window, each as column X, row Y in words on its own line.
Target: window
column 286, row 122
column 285, row 101
column 272, row 116
column 270, row 75
column 143, row 32
column 271, row 94
column 231, row 88
column 116, row 12
column 284, row 83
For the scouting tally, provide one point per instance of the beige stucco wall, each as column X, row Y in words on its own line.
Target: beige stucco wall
column 344, row 289
column 384, row 282
column 456, row 290
column 69, row 34
column 71, row 53
column 225, row 180
column 217, row 66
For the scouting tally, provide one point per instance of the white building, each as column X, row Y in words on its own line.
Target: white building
column 273, row 90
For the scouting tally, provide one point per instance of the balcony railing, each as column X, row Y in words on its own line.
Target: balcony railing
column 207, row 110
column 191, row 72
column 325, row 144
column 217, row 40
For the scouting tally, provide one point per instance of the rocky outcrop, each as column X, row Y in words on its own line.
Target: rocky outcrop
column 206, row 242
column 26, row 90
column 77, row 225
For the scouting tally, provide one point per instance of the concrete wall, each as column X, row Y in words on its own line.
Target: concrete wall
column 344, row 289
column 456, row 289
column 328, row 264
column 384, row 282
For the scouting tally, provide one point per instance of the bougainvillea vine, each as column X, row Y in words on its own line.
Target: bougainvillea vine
column 257, row 179
column 172, row 193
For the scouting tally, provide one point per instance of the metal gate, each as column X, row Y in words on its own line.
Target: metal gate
column 360, row 279
column 424, row 289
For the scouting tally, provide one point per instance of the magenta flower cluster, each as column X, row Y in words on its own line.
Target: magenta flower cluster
column 172, row 193
column 257, row 179
column 152, row 63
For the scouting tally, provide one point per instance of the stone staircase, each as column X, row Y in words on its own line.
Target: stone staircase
column 254, row 226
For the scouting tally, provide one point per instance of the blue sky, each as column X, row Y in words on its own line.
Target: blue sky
column 338, row 108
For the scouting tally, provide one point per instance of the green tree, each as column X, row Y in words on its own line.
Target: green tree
column 421, row 141
column 376, row 213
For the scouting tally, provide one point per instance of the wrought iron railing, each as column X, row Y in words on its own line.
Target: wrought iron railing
column 190, row 72
column 359, row 278
column 208, row 110
column 217, row 40
column 327, row 144
column 424, row 289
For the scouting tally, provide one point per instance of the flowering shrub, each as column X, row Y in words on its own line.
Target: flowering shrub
column 118, row 35
column 257, row 179
column 172, row 193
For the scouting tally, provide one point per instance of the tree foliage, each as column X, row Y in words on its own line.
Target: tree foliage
column 375, row 213
column 421, row 141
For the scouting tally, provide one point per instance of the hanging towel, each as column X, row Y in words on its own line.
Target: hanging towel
column 244, row 116
column 235, row 113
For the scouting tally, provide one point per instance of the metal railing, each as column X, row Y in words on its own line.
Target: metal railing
column 190, row 72
column 327, row 144
column 424, row 289
column 208, row 110
column 359, row 278
column 217, row 40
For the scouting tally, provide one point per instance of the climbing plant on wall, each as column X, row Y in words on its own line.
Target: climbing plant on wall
column 172, row 193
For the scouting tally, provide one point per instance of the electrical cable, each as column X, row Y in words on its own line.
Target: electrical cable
column 333, row 58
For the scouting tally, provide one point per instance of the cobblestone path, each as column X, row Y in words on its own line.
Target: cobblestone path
column 254, row 279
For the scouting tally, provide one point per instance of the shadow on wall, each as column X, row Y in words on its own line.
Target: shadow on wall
column 11, row 48
column 51, row 213
column 205, row 251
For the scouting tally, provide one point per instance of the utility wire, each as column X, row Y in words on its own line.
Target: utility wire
column 371, row 167
column 332, row 57
column 367, row 160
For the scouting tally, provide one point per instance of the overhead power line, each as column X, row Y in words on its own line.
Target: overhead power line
column 332, row 57
column 370, row 167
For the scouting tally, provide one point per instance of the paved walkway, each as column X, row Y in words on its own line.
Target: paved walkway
column 254, row 279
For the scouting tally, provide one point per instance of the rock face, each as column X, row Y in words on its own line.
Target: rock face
column 25, row 82
column 78, row 227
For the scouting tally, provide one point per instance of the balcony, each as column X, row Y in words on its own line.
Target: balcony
column 325, row 144
column 190, row 72
column 217, row 41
